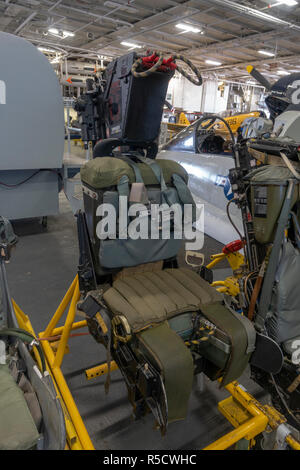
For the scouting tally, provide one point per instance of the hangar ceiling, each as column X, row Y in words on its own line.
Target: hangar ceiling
column 229, row 34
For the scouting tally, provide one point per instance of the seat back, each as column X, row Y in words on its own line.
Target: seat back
column 112, row 186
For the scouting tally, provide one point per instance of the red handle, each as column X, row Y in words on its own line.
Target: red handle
column 232, row 247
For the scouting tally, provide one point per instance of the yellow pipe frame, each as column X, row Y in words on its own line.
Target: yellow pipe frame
column 256, row 417
column 257, row 423
column 55, row 359
column 260, row 417
column 23, row 321
column 102, row 369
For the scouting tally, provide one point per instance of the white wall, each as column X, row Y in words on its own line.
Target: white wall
column 221, row 101
column 185, row 94
column 190, row 97
column 212, row 101
column 256, row 97
column 206, row 98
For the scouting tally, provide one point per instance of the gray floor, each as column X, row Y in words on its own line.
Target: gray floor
column 39, row 273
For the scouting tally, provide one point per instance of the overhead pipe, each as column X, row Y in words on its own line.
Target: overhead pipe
column 253, row 13
column 155, row 27
column 66, row 46
column 100, row 17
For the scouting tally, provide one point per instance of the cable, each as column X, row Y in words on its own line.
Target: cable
column 21, row 182
column 15, row 185
column 231, row 221
column 248, row 289
column 26, row 337
column 199, row 80
column 235, row 153
column 57, row 337
column 167, row 64
column 284, row 402
column 296, row 420
column 290, row 165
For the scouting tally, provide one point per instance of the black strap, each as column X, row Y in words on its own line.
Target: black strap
column 296, row 228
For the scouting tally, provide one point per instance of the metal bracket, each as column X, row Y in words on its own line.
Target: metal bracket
column 281, row 434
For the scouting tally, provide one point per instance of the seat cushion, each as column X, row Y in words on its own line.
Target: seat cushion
column 153, row 297
column 17, row 428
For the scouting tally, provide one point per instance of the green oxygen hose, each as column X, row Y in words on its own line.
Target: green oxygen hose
column 26, row 337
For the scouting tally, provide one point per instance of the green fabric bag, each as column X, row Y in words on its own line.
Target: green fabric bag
column 104, row 172
column 17, row 427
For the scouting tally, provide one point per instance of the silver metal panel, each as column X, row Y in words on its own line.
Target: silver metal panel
column 31, row 108
column 209, row 184
column 36, row 198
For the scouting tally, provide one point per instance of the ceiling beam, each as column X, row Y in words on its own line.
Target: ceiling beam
column 25, row 22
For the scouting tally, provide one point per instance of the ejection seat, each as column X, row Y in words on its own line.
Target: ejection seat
column 161, row 323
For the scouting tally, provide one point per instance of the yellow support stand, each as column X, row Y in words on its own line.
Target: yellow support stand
column 55, row 358
column 247, row 415
column 77, row 435
column 73, row 442
column 249, row 418
column 230, row 285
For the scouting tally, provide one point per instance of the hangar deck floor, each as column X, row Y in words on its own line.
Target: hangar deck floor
column 41, row 269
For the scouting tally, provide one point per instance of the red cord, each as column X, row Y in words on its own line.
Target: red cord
column 57, row 337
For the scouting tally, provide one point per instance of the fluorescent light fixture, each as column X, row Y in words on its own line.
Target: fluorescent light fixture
column 130, row 44
column 268, row 53
column 53, row 31
column 213, row 62
column 282, row 72
column 67, row 34
column 45, row 49
column 187, row 28
column 56, row 60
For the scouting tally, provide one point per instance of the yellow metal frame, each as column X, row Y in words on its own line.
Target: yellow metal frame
column 230, row 285
column 247, row 415
column 77, row 435
column 249, row 418
column 55, row 355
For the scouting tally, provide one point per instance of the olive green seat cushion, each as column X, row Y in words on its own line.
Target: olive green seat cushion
column 17, row 428
column 150, row 298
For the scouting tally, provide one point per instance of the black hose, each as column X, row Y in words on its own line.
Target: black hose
column 231, row 221
column 293, row 417
column 15, row 185
column 199, row 80
column 235, row 154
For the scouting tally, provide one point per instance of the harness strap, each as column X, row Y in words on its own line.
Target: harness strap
column 273, row 262
column 123, row 186
column 134, row 166
column 156, row 170
column 184, row 193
